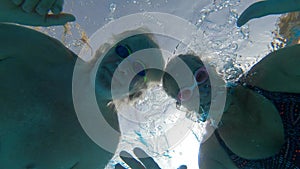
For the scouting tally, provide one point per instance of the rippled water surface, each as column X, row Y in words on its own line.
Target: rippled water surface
column 233, row 51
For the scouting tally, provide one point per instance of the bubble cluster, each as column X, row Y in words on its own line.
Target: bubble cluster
column 223, row 37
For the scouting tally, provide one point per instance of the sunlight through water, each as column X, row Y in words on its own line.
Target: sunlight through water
column 235, row 51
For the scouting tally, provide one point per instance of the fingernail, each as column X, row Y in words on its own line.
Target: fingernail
column 68, row 17
column 125, row 154
column 139, row 152
column 72, row 18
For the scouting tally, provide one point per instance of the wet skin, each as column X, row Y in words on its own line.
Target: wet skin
column 34, row 12
column 247, row 114
column 39, row 127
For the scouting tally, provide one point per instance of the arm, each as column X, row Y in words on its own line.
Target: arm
column 278, row 71
column 268, row 7
column 212, row 156
column 289, row 60
column 34, row 12
column 38, row 123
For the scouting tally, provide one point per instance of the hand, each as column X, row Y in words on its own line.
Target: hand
column 147, row 161
column 34, row 12
column 264, row 8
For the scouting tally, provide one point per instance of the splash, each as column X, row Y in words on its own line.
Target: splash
column 222, row 38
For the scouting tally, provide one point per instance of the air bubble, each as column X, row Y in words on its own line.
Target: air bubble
column 112, row 7
column 148, row 2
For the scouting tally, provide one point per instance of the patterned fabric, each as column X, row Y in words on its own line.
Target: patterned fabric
column 288, row 106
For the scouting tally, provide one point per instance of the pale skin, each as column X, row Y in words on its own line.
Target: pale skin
column 33, row 131
column 251, row 125
column 39, row 127
column 267, row 7
column 64, row 156
column 249, row 116
column 34, row 12
column 278, row 71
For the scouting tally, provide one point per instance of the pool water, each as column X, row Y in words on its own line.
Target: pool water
column 234, row 50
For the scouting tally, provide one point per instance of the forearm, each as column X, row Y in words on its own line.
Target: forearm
column 279, row 7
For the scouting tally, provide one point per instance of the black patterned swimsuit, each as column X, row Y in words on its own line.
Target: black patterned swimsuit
column 288, row 105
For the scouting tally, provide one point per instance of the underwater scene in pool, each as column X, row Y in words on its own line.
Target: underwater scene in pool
column 153, row 119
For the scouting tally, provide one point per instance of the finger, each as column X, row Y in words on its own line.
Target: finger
column 59, row 19
column 118, row 166
column 44, row 6
column 263, row 8
column 183, row 167
column 57, row 6
column 130, row 161
column 29, row 5
column 145, row 159
column 49, row 20
column 17, row 2
column 255, row 10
